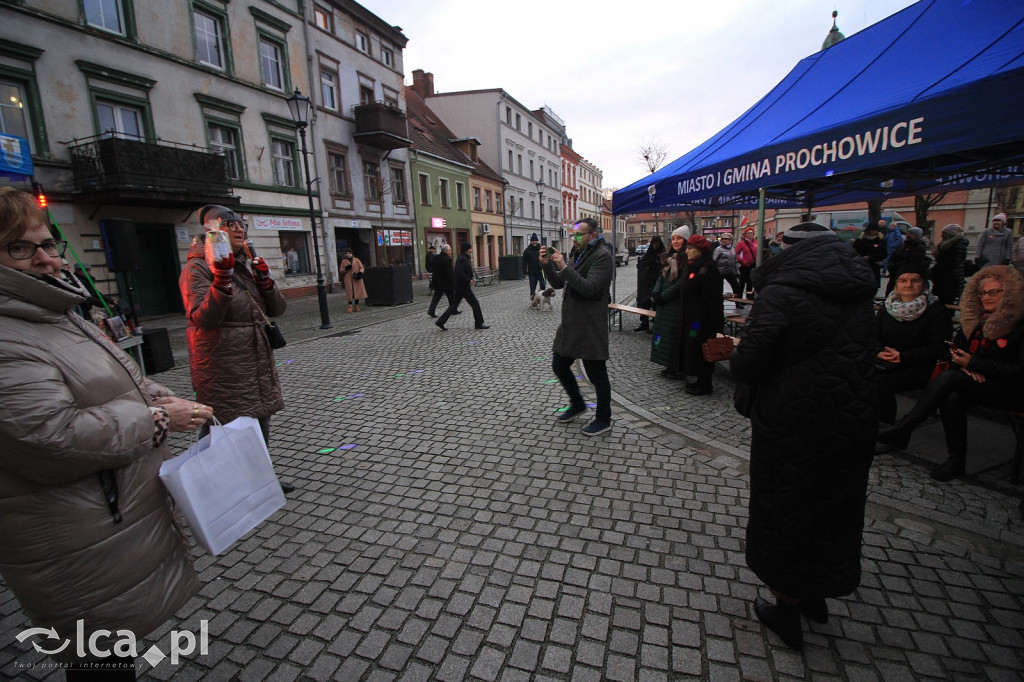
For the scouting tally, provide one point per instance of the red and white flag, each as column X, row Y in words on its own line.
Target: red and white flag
column 744, row 221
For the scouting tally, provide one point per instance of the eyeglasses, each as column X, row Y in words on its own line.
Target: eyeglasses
column 233, row 225
column 991, row 293
column 22, row 250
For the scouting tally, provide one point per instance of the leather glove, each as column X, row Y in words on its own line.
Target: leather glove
column 261, row 272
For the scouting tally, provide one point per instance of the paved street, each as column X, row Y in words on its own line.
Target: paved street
column 446, row 528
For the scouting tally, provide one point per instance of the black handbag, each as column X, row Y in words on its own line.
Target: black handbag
column 274, row 335
column 273, row 332
column 358, row 276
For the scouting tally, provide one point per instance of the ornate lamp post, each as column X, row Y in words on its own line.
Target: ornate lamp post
column 540, row 191
column 298, row 105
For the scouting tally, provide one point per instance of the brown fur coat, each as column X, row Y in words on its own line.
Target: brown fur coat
column 1011, row 308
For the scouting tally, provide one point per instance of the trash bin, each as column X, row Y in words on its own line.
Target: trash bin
column 510, row 267
column 156, row 350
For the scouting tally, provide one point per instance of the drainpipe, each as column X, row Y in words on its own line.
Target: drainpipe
column 330, row 256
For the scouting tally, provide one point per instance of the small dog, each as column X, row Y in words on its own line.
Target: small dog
column 543, row 298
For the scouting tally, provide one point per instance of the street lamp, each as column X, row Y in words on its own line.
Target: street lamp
column 540, row 191
column 298, row 105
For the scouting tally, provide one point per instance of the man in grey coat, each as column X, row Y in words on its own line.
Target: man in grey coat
column 583, row 332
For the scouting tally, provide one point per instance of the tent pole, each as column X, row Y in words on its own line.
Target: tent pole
column 759, row 258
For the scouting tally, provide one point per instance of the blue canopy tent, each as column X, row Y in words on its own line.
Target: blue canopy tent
column 927, row 99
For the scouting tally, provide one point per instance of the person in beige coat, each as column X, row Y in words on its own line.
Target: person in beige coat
column 352, row 271
column 87, row 530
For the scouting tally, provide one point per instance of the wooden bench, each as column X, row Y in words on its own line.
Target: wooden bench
column 483, row 275
column 740, row 301
column 734, row 323
column 616, row 309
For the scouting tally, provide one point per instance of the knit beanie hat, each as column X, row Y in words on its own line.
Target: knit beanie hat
column 917, row 232
column 952, row 229
column 700, row 243
column 683, row 232
column 999, row 216
column 803, row 231
column 464, row 247
column 533, row 237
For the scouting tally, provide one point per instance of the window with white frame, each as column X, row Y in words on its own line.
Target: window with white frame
column 362, row 42
column 284, row 163
column 476, row 199
column 442, row 189
column 519, row 121
column 209, row 39
column 105, row 14
column 488, row 206
column 272, row 63
column 398, row 185
column 224, row 140
column 323, row 19
column 460, row 196
column 387, row 56
column 13, row 109
column 371, row 180
column 337, row 172
column 365, row 95
column 510, row 160
column 329, row 89
column 120, row 120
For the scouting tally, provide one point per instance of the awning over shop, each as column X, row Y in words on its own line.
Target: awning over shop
column 929, row 98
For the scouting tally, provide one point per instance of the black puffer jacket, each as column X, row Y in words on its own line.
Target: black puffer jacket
column 814, row 419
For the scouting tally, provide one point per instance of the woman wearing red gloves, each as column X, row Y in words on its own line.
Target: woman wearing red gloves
column 226, row 295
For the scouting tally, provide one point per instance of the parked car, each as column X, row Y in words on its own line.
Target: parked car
column 642, row 249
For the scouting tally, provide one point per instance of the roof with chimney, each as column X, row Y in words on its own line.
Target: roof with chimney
column 430, row 135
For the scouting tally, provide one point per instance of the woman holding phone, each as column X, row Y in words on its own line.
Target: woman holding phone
column 988, row 366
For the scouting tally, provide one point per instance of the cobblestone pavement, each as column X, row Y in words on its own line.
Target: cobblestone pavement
column 445, row 528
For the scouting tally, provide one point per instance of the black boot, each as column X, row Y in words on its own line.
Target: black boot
column 898, row 435
column 783, row 619
column 815, row 609
column 952, row 468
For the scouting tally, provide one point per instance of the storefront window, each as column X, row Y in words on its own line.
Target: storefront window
column 295, row 252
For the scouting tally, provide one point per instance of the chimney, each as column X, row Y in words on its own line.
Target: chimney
column 423, row 83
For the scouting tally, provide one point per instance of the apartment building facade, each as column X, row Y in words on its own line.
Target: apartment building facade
column 138, row 112
column 515, row 143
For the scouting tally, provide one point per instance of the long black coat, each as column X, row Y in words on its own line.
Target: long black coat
column 947, row 274
column 463, row 274
column 648, row 269
column 441, row 275
column 814, row 420
column 702, row 315
column 586, row 279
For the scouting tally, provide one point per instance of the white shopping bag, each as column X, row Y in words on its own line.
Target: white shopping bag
column 224, row 484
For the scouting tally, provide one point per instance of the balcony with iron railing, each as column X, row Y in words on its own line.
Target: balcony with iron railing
column 128, row 169
column 382, row 125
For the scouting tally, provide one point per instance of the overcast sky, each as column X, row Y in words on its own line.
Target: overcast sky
column 621, row 75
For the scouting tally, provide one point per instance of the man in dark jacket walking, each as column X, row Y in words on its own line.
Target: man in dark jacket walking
column 441, row 279
column 464, row 281
column 807, row 351
column 583, row 332
column 531, row 265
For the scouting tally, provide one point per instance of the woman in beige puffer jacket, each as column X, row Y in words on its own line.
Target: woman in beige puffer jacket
column 87, row 530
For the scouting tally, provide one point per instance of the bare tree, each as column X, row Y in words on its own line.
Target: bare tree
column 922, row 204
column 652, row 154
